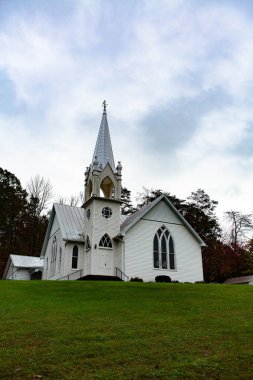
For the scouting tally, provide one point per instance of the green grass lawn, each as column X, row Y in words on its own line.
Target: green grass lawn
column 107, row 330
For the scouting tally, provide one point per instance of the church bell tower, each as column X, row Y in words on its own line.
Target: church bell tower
column 102, row 205
column 101, row 177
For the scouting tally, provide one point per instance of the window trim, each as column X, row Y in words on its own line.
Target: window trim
column 161, row 234
column 106, row 212
column 53, row 257
column 106, row 239
column 75, row 257
column 60, row 260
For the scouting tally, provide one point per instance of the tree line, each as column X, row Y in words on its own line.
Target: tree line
column 23, row 224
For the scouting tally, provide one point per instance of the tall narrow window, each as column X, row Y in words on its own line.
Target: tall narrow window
column 163, row 249
column 105, row 241
column 60, row 258
column 172, row 254
column 156, row 252
column 53, row 256
column 87, row 243
column 75, row 257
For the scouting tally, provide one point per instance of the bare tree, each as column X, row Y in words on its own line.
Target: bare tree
column 73, row 200
column 239, row 225
column 40, row 192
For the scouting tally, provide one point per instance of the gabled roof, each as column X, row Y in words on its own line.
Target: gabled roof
column 71, row 221
column 134, row 218
column 103, row 150
column 239, row 280
column 24, row 262
column 27, row 261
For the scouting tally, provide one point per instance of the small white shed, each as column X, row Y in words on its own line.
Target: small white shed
column 23, row 268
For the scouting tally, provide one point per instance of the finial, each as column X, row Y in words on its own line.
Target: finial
column 104, row 105
column 119, row 168
column 86, row 172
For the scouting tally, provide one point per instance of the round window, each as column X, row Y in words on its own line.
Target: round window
column 88, row 213
column 107, row 212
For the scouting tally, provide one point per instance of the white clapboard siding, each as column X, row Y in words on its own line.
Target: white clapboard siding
column 68, row 259
column 97, row 226
column 22, row 274
column 55, row 232
column 139, row 247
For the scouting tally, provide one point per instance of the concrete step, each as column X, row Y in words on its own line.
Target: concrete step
column 93, row 277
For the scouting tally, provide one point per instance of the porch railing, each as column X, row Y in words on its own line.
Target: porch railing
column 120, row 274
column 72, row 276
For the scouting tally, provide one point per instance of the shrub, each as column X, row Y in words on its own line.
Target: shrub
column 162, row 278
column 136, row 279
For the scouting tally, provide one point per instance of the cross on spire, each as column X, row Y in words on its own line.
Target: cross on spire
column 104, row 105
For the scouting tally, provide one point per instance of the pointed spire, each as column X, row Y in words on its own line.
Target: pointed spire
column 103, row 150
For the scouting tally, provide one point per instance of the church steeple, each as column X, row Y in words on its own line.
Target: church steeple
column 103, row 149
column 102, row 179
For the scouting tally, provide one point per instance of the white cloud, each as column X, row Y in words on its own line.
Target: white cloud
column 175, row 51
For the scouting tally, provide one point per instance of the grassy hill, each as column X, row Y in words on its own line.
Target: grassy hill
column 102, row 330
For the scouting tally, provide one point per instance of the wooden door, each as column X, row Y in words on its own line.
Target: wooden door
column 105, row 262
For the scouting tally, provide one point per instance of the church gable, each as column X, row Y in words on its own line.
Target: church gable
column 158, row 241
column 161, row 209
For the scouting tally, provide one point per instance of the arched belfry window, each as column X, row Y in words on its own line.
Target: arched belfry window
column 105, row 241
column 163, row 249
column 75, row 257
column 107, row 188
column 90, row 188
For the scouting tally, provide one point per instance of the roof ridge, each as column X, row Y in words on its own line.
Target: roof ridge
column 61, row 204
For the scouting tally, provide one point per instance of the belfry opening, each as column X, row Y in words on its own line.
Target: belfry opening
column 107, row 188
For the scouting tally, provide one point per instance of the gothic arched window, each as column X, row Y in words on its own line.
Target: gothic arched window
column 75, row 257
column 105, row 241
column 163, row 249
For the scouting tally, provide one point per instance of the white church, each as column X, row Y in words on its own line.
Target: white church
column 96, row 240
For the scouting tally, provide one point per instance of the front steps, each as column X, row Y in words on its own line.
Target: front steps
column 93, row 277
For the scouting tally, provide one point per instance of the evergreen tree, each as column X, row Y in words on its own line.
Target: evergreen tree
column 126, row 207
column 22, row 230
column 12, row 210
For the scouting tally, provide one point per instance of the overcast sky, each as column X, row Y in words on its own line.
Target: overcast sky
column 177, row 76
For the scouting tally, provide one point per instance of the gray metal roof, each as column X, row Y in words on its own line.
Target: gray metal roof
column 71, row 220
column 132, row 219
column 103, row 150
column 239, row 280
column 27, row 261
column 123, row 218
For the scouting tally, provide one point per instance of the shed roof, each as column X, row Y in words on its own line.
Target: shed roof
column 27, row 261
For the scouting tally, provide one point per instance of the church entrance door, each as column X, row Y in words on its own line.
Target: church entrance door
column 105, row 262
